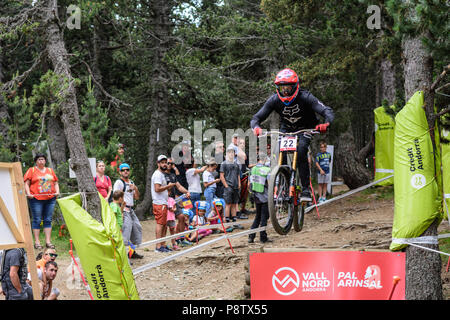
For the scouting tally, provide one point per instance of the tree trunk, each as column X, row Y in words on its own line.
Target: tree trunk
column 57, row 140
column 387, row 81
column 353, row 172
column 423, row 267
column 3, row 106
column 159, row 121
column 79, row 163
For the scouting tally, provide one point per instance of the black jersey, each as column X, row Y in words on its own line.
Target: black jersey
column 299, row 114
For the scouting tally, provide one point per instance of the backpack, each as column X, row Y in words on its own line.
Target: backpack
column 22, row 269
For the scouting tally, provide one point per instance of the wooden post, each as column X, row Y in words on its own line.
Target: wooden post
column 20, row 227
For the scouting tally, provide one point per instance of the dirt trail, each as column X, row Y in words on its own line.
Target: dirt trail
column 355, row 222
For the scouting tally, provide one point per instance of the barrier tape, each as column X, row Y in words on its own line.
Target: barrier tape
column 176, row 235
column 348, row 193
column 192, row 249
column 421, row 240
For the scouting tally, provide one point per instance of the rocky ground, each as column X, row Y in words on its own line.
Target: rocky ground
column 360, row 221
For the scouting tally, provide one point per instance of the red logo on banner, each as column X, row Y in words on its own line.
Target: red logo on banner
column 328, row 275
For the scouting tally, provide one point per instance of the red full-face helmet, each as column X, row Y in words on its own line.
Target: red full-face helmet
column 287, row 85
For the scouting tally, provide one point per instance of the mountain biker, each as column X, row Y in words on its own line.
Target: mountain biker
column 297, row 108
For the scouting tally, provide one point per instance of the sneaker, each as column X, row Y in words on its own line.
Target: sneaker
column 167, row 248
column 266, row 241
column 136, row 255
column 229, row 229
column 305, row 196
column 160, row 249
column 251, row 240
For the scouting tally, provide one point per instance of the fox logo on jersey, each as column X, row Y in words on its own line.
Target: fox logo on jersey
column 291, row 110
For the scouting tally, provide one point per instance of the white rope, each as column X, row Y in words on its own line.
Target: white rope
column 347, row 194
column 192, row 249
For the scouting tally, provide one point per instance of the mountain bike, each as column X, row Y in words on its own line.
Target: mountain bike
column 285, row 205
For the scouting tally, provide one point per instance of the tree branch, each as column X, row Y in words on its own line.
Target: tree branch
column 113, row 99
column 439, row 78
column 20, row 78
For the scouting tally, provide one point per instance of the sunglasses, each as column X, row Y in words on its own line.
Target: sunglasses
column 169, row 163
column 53, row 255
column 125, row 170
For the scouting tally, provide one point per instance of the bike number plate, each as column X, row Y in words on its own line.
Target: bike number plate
column 288, row 143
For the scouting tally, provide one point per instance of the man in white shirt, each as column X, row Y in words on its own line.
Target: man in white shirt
column 193, row 179
column 160, row 196
column 131, row 229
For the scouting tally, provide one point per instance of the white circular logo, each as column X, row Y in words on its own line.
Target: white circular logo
column 418, row 181
column 445, row 133
column 285, row 283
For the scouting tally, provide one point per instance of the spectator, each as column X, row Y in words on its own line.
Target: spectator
column 218, row 156
column 171, row 176
column 46, row 276
column 323, row 160
column 217, row 212
column 14, row 277
column 117, row 206
column 160, row 197
column 230, row 177
column 239, row 156
column 171, row 224
column 131, row 227
column 210, row 183
column 199, row 220
column 49, row 255
column 42, row 189
column 119, row 158
column 102, row 181
column 193, row 179
column 243, row 196
column 259, row 185
column 186, row 160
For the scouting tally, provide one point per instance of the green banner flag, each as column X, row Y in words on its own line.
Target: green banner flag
column 417, row 198
column 384, row 146
column 101, row 250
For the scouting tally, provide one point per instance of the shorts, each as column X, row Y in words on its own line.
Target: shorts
column 160, row 213
column 171, row 223
column 323, row 178
column 231, row 195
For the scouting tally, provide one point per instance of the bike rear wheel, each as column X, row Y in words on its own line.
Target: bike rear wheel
column 281, row 206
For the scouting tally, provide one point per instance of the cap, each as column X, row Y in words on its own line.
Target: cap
column 124, row 166
column 161, row 157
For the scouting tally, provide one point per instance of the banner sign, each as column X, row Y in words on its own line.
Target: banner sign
column 384, row 145
column 327, row 275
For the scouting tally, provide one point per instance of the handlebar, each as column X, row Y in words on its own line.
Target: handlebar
column 312, row 131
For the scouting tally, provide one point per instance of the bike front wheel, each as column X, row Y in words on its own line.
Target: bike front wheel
column 299, row 217
column 281, row 206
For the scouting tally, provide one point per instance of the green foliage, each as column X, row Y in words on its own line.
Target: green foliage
column 94, row 121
